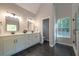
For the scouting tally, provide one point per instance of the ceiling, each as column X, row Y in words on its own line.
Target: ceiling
column 32, row 7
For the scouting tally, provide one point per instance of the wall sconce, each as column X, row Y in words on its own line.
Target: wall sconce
column 30, row 20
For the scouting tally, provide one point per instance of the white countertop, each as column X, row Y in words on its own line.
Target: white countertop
column 16, row 34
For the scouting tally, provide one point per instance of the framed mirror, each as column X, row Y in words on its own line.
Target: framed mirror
column 12, row 24
column 31, row 25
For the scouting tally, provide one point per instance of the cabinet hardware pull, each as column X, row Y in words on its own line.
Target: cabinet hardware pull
column 14, row 41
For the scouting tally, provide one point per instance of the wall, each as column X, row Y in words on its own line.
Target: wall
column 64, row 10
column 47, row 11
column 19, row 12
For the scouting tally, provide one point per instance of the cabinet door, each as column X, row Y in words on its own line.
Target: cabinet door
column 26, row 41
column 20, row 43
column 9, row 45
column 33, row 39
column 30, row 39
column 36, row 38
column 1, row 46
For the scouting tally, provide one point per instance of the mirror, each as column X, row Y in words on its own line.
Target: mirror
column 31, row 25
column 12, row 24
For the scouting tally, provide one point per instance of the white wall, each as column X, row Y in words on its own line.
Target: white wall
column 12, row 8
column 47, row 10
column 64, row 10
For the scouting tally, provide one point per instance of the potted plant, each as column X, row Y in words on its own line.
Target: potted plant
column 24, row 31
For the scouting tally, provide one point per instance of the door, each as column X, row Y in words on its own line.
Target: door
column 76, row 40
column 76, row 30
column 46, row 29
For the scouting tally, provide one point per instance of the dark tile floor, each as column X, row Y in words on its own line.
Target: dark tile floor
column 45, row 50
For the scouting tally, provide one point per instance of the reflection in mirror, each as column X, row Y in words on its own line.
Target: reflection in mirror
column 31, row 26
column 12, row 24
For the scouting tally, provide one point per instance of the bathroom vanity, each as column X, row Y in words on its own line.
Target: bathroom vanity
column 13, row 36
column 14, row 43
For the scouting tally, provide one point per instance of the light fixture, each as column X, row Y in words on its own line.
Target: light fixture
column 11, row 15
column 30, row 20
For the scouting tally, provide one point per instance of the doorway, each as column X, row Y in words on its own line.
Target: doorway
column 46, row 30
column 63, row 31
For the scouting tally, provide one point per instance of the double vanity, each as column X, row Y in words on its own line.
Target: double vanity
column 14, row 43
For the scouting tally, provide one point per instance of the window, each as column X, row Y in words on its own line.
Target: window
column 63, row 27
column 11, row 27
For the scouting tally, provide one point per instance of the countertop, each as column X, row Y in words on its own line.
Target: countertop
column 17, row 34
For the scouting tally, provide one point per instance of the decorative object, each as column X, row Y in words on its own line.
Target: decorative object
column 32, row 31
column 12, row 32
column 24, row 31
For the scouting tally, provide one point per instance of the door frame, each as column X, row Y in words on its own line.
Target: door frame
column 42, row 40
column 48, row 27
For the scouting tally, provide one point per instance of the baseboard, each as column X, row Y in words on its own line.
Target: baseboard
column 65, row 44
column 51, row 45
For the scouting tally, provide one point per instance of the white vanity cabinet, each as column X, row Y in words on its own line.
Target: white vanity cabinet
column 30, row 40
column 1, row 47
column 12, row 44
column 8, row 45
column 36, row 38
column 20, row 43
column 26, row 41
column 33, row 39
